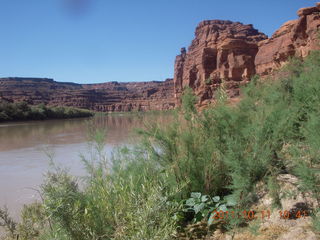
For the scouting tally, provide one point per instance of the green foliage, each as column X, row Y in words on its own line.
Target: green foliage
column 188, row 103
column 222, row 151
column 316, row 221
column 7, row 223
column 23, row 111
column 254, row 228
column 33, row 221
column 229, row 149
column 274, row 191
column 201, row 206
column 128, row 201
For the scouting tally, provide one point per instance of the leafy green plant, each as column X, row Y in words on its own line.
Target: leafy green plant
column 316, row 220
column 274, row 191
column 200, row 206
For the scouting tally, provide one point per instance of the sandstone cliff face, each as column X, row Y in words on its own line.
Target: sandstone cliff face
column 230, row 53
column 105, row 97
column 294, row 38
column 222, row 52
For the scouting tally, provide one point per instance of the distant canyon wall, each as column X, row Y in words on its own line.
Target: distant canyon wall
column 104, row 97
column 228, row 54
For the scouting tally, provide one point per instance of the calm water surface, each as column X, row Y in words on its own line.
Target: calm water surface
column 25, row 148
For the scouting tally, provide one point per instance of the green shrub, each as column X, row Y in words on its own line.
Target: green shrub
column 128, row 201
column 227, row 150
column 23, row 111
column 8, row 223
column 33, row 221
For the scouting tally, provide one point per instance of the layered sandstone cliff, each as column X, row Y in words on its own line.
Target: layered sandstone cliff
column 105, row 97
column 222, row 52
column 294, row 38
column 228, row 54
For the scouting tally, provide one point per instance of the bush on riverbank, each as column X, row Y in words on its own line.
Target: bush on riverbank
column 224, row 150
column 22, row 111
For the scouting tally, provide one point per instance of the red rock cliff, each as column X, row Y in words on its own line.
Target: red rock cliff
column 222, row 52
column 105, row 97
column 294, row 38
column 230, row 53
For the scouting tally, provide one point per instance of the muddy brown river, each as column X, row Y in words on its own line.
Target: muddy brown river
column 26, row 149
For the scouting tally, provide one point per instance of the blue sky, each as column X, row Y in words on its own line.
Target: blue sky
column 88, row 41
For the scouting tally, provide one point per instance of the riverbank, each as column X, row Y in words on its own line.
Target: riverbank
column 22, row 111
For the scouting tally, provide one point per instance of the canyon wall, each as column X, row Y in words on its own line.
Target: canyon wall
column 228, row 54
column 294, row 38
column 222, row 52
column 104, row 97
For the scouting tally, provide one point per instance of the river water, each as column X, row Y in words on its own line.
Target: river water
column 26, row 149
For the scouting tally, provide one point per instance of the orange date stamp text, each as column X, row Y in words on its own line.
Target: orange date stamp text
column 251, row 214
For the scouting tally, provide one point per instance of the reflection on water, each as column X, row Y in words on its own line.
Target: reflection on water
column 24, row 149
column 29, row 134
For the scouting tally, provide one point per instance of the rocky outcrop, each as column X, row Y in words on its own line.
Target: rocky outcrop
column 228, row 54
column 105, row 97
column 222, row 52
column 294, row 38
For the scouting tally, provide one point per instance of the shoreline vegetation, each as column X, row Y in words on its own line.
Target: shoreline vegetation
column 200, row 164
column 22, row 111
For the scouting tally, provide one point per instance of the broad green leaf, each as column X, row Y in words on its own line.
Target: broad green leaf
column 198, row 207
column 198, row 217
column 190, row 202
column 187, row 210
column 205, row 212
column 211, row 209
column 204, row 198
column 211, row 219
column 223, row 207
column 196, row 195
column 216, row 199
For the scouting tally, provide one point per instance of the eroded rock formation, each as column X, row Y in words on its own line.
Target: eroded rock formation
column 230, row 53
column 222, row 52
column 294, row 38
column 105, row 97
